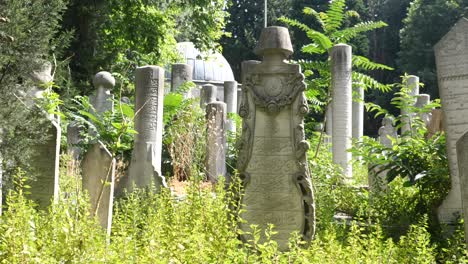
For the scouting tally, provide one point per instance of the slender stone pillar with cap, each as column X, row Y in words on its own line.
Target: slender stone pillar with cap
column 342, row 107
column 413, row 85
column 216, row 140
column 230, row 98
column 145, row 167
column 272, row 155
column 98, row 167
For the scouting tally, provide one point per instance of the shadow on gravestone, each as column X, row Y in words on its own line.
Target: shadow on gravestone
column 272, row 154
column 451, row 54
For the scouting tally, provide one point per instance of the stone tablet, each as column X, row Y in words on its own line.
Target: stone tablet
column 45, row 164
column 451, row 54
column 145, row 166
column 216, row 140
column 98, row 169
column 342, row 107
column 207, row 95
column 181, row 73
column 272, row 155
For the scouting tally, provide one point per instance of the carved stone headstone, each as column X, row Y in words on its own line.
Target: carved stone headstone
column 230, row 98
column 358, row 112
column 451, row 54
column 181, row 73
column 216, row 140
column 406, row 116
column 145, row 166
column 272, row 155
column 207, row 95
column 342, row 107
column 46, row 155
column 98, row 170
column 436, row 124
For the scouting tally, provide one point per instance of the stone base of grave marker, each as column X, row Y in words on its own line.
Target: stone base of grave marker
column 98, row 170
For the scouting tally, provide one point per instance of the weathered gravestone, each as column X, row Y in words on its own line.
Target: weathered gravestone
column 98, row 167
column 207, row 95
column 145, row 166
column 342, row 107
column 46, row 155
column 422, row 100
column 412, row 84
column 181, row 73
column 230, row 98
column 462, row 159
column 436, row 123
column 272, row 155
column 216, row 140
column 451, row 54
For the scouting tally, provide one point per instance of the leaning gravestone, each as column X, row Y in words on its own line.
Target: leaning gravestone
column 216, row 140
column 342, row 107
column 46, row 155
column 451, row 54
column 145, row 166
column 98, row 179
column 98, row 167
column 272, row 155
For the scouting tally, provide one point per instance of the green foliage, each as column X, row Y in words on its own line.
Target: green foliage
column 318, row 71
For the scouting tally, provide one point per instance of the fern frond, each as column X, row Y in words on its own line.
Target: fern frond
column 314, row 65
column 370, row 82
column 294, row 23
column 320, row 39
column 334, row 15
column 352, row 13
column 312, row 49
column 368, row 65
column 310, row 11
column 347, row 34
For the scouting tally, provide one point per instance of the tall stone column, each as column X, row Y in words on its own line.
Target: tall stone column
column 208, row 95
column 145, row 167
column 98, row 166
column 342, row 107
column 451, row 54
column 230, row 98
column 181, row 73
column 358, row 112
column 216, row 140
column 413, row 85
column 272, row 154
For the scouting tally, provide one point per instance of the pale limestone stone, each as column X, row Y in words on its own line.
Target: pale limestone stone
column 98, row 170
column 422, row 100
column 272, row 151
column 342, row 107
column 387, row 131
column 358, row 112
column 239, row 98
column 451, row 54
column 230, row 98
column 462, row 160
column 43, row 75
column 181, row 73
column 73, row 139
column 208, row 95
column 145, row 166
column 406, row 116
column 216, row 140
column 104, row 82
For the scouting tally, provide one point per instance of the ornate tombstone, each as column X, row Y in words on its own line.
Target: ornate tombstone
column 272, row 156
column 451, row 54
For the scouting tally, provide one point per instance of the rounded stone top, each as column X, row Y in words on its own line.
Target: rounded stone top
column 205, row 67
column 104, row 78
column 387, row 121
column 274, row 40
column 43, row 74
